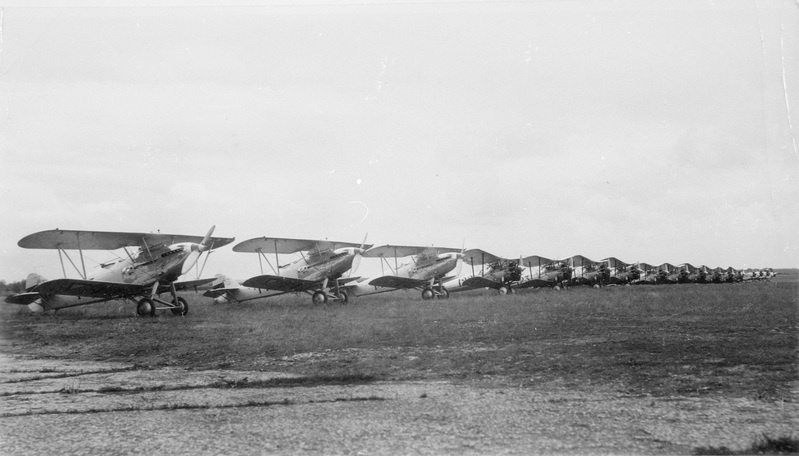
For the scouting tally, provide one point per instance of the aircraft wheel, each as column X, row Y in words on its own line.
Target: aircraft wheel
column 145, row 308
column 343, row 297
column 427, row 293
column 596, row 285
column 444, row 293
column 503, row 290
column 319, row 297
column 182, row 307
column 556, row 288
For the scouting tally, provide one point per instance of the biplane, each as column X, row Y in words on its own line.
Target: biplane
column 143, row 274
column 621, row 273
column 318, row 272
column 587, row 272
column 689, row 273
column 501, row 275
column 648, row 274
column 544, row 272
column 669, row 273
column 428, row 269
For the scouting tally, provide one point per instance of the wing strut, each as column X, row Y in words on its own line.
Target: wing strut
column 277, row 259
column 61, row 259
column 261, row 254
column 71, row 262
column 80, row 250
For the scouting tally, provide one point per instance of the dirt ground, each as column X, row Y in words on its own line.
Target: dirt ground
column 84, row 407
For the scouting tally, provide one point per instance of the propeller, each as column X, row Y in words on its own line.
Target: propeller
column 196, row 251
column 357, row 256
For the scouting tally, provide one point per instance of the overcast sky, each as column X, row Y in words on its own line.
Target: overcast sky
column 656, row 131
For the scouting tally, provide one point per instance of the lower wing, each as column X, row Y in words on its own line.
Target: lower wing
column 91, row 288
column 286, row 284
column 481, row 282
column 397, row 282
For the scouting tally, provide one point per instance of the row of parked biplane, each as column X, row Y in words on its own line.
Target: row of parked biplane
column 148, row 265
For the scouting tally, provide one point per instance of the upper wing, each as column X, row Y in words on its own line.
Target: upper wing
column 616, row 263
column 481, row 282
column 479, row 256
column 277, row 245
column 578, row 260
column 108, row 240
column 397, row 282
column 535, row 260
column 405, row 250
column 91, row 288
column 286, row 284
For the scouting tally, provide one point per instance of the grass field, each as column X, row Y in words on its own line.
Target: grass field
column 731, row 340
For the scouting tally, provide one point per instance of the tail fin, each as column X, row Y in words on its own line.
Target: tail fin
column 33, row 280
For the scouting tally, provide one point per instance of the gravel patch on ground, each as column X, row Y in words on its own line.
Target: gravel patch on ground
column 101, row 408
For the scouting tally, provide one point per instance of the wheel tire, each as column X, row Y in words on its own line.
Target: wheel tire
column 319, row 297
column 145, row 308
column 502, row 291
column 343, row 297
column 596, row 285
column 427, row 294
column 444, row 293
column 556, row 288
column 183, row 307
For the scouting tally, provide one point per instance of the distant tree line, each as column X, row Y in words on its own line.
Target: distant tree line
column 13, row 287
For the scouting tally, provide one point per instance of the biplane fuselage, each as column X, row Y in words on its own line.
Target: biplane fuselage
column 330, row 264
column 427, row 267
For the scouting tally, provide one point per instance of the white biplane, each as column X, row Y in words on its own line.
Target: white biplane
column 319, row 271
column 428, row 269
column 144, row 274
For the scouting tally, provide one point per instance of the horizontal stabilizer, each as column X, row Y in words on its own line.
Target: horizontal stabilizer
column 23, row 298
column 185, row 285
column 217, row 292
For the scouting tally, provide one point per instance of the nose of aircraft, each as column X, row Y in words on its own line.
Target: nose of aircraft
column 196, row 251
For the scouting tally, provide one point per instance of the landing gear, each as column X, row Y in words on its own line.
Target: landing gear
column 181, row 306
column 427, row 294
column 319, row 297
column 145, row 308
column 343, row 297
column 443, row 293
column 503, row 290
